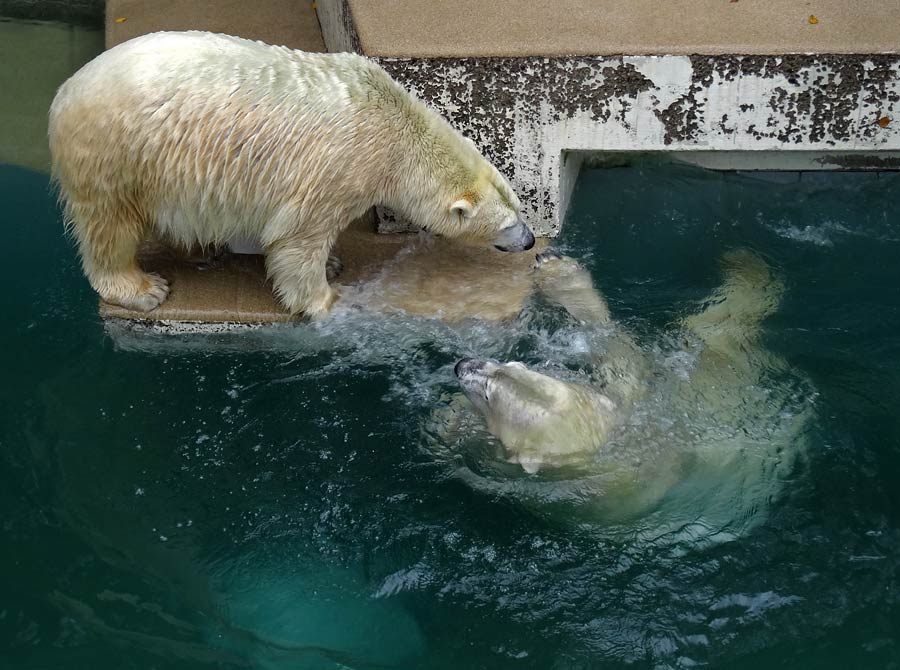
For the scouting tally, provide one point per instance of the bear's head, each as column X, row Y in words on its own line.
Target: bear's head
column 539, row 420
column 485, row 209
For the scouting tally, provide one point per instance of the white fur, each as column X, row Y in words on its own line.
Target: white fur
column 204, row 138
column 729, row 428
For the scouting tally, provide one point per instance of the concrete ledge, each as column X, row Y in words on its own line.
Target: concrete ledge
column 419, row 275
column 237, row 290
column 234, row 293
column 522, row 28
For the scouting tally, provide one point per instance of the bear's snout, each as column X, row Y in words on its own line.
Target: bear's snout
column 467, row 366
column 517, row 237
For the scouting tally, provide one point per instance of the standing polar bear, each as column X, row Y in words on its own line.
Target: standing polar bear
column 201, row 138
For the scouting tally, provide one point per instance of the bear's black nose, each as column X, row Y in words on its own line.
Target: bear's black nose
column 517, row 237
column 460, row 366
column 465, row 365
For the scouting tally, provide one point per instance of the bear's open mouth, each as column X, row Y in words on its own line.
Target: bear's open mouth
column 473, row 379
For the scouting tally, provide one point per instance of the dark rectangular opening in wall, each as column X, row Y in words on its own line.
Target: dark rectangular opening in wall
column 573, row 164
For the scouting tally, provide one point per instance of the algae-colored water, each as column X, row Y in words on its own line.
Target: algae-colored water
column 279, row 508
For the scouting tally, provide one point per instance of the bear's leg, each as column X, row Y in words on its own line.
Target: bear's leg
column 564, row 281
column 108, row 240
column 297, row 266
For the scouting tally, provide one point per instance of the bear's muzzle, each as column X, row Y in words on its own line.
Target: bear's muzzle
column 468, row 366
column 517, row 237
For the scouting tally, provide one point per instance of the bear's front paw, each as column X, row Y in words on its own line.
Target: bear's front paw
column 545, row 257
column 317, row 309
column 153, row 292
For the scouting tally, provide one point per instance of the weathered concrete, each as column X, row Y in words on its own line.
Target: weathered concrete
column 527, row 113
column 536, row 116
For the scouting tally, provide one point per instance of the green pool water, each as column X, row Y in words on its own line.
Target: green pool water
column 280, row 504
column 276, row 507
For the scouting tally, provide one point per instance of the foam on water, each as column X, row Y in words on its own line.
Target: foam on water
column 707, row 463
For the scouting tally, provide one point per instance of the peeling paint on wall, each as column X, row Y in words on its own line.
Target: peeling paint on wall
column 525, row 113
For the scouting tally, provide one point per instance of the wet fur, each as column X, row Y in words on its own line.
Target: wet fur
column 200, row 138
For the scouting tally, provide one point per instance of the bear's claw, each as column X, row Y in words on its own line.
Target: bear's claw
column 154, row 295
column 549, row 255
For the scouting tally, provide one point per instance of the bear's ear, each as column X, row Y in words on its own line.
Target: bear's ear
column 463, row 207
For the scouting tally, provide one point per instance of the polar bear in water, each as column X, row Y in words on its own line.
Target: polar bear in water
column 713, row 428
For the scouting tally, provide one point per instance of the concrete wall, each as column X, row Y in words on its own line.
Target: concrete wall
column 527, row 113
column 536, row 118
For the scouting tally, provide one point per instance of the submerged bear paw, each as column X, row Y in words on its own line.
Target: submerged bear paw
column 552, row 263
column 546, row 256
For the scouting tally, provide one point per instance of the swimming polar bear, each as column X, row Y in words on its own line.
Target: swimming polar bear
column 713, row 429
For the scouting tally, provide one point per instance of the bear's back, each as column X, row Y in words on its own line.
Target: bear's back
column 167, row 65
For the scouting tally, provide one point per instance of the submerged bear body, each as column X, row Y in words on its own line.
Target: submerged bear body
column 696, row 444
